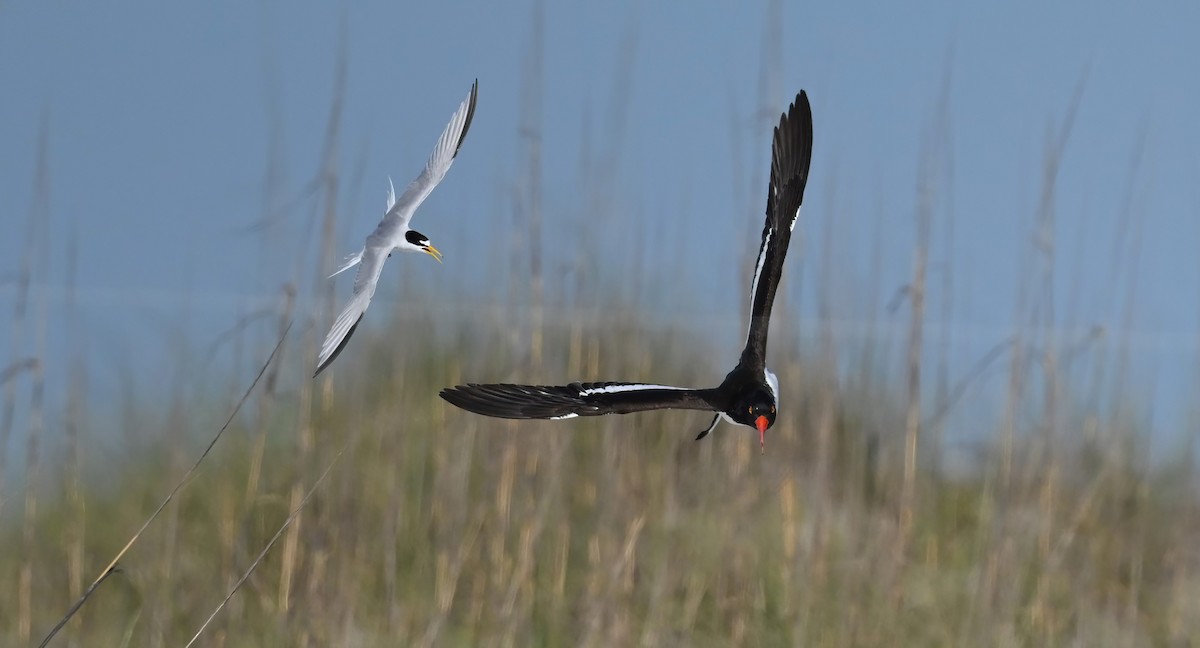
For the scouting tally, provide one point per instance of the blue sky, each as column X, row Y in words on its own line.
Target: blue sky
column 163, row 120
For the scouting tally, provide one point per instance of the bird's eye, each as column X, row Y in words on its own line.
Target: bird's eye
column 772, row 409
column 750, row 410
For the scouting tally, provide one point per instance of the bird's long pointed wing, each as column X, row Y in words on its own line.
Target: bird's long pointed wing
column 791, row 152
column 575, row 399
column 345, row 324
column 401, row 210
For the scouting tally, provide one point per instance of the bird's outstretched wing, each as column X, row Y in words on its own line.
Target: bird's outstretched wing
column 791, row 152
column 400, row 212
column 347, row 321
column 575, row 399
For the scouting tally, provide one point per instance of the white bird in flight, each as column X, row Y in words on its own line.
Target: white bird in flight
column 393, row 232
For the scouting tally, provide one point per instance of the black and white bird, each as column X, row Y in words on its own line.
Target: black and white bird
column 749, row 395
column 393, row 232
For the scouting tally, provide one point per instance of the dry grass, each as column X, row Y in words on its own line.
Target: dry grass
column 443, row 528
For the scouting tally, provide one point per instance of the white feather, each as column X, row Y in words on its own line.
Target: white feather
column 350, row 261
column 758, row 268
column 614, row 389
column 773, row 383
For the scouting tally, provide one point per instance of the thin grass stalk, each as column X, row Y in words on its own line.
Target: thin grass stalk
column 112, row 565
column 531, row 134
column 176, row 435
column 38, row 245
column 1046, row 240
column 1132, row 248
column 1017, row 377
column 874, row 354
column 825, row 416
column 8, row 378
column 944, row 134
column 448, row 582
column 329, row 183
column 32, row 479
column 1049, row 363
column 76, row 408
column 912, row 417
column 292, row 516
column 265, row 402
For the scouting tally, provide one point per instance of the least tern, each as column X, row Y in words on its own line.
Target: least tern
column 393, row 232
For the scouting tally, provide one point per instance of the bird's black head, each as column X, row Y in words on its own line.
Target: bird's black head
column 756, row 409
column 421, row 242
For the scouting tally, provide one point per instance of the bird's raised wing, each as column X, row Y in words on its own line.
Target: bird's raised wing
column 791, row 152
column 401, row 211
column 575, row 399
column 347, row 321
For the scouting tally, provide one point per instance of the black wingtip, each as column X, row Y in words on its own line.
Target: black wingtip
column 798, row 109
column 509, row 401
column 486, row 400
column 474, row 99
column 336, row 352
column 792, row 147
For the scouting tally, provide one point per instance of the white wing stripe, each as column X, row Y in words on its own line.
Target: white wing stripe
column 616, row 389
column 758, row 267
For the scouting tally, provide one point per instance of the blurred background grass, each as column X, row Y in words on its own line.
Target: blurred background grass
column 440, row 527
column 912, row 493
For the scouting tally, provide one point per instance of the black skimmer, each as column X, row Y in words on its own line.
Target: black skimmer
column 749, row 395
column 393, row 232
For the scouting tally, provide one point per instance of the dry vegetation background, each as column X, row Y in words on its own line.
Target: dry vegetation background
column 436, row 527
